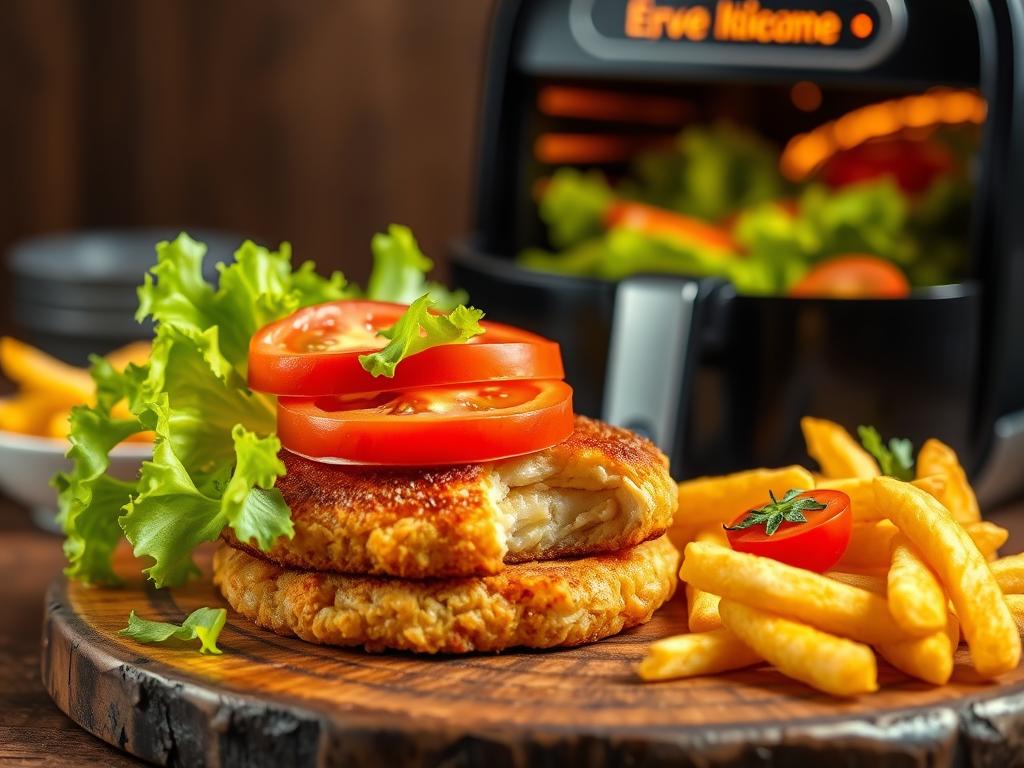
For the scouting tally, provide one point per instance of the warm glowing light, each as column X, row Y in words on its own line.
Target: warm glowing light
column 862, row 26
column 587, row 148
column 611, row 106
column 805, row 96
column 807, row 152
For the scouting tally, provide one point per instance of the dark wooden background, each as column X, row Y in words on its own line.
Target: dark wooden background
column 317, row 121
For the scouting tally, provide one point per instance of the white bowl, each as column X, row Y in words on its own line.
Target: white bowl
column 27, row 463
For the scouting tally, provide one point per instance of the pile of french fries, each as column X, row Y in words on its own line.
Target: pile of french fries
column 921, row 572
column 49, row 388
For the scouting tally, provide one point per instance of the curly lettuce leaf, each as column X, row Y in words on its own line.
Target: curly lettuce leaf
column 419, row 329
column 204, row 624
column 400, row 268
column 215, row 458
column 711, row 172
column 88, row 498
column 175, row 511
column 573, row 205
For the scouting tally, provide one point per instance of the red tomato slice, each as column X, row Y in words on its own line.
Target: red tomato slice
column 657, row 221
column 914, row 165
column 316, row 350
column 816, row 545
column 429, row 427
column 853, row 277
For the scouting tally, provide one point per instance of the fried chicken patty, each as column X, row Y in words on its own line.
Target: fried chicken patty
column 601, row 490
column 539, row 605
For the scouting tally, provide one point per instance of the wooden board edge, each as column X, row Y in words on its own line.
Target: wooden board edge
column 168, row 721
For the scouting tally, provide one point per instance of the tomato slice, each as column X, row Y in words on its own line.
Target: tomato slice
column 657, row 221
column 914, row 165
column 855, row 276
column 315, row 351
column 816, row 545
column 429, row 427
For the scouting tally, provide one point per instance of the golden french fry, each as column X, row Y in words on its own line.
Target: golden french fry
column 869, row 582
column 862, row 494
column 1015, row 604
column 59, row 424
column 928, row 658
column 989, row 537
column 137, row 352
column 1009, row 573
column 946, row 547
column 792, row 592
column 701, row 606
column 916, row 598
column 35, row 371
column 835, row 450
column 712, row 501
column 937, row 458
column 695, row 654
column 826, row 662
column 869, row 546
column 28, row 413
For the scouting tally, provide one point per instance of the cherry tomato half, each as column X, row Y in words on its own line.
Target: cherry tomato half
column 429, row 427
column 315, row 351
column 816, row 545
column 853, row 277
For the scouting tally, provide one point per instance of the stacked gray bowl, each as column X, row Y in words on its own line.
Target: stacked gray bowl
column 74, row 294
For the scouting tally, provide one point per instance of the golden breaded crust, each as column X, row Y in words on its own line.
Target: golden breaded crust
column 610, row 487
column 539, row 605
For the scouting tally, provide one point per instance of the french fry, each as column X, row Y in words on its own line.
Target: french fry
column 831, row 664
column 937, row 458
column 35, row 371
column 869, row 546
column 795, row 593
column 1015, row 603
column 59, row 424
column 711, row 501
column 862, row 494
column 927, row 658
column 865, row 581
column 946, row 547
column 701, row 606
column 28, row 413
column 695, row 654
column 835, row 450
column 989, row 537
column 1009, row 573
column 916, row 598
column 136, row 352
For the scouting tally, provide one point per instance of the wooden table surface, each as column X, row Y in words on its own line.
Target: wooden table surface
column 33, row 732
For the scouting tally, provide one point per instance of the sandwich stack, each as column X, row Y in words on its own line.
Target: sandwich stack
column 555, row 548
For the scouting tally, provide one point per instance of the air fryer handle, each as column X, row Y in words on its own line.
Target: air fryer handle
column 654, row 349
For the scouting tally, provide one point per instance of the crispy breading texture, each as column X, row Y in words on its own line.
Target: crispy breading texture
column 539, row 605
column 450, row 521
column 944, row 544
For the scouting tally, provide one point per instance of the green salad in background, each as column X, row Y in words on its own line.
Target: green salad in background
column 875, row 221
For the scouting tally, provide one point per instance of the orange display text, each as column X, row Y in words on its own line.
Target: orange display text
column 736, row 21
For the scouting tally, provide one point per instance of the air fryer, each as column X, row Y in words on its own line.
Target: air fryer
column 719, row 378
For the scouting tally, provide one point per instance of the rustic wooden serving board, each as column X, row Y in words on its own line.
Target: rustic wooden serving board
column 277, row 701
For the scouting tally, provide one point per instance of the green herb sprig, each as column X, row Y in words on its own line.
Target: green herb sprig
column 895, row 460
column 790, row 509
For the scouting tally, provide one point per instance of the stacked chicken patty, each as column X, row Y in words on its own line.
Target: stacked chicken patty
column 555, row 548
